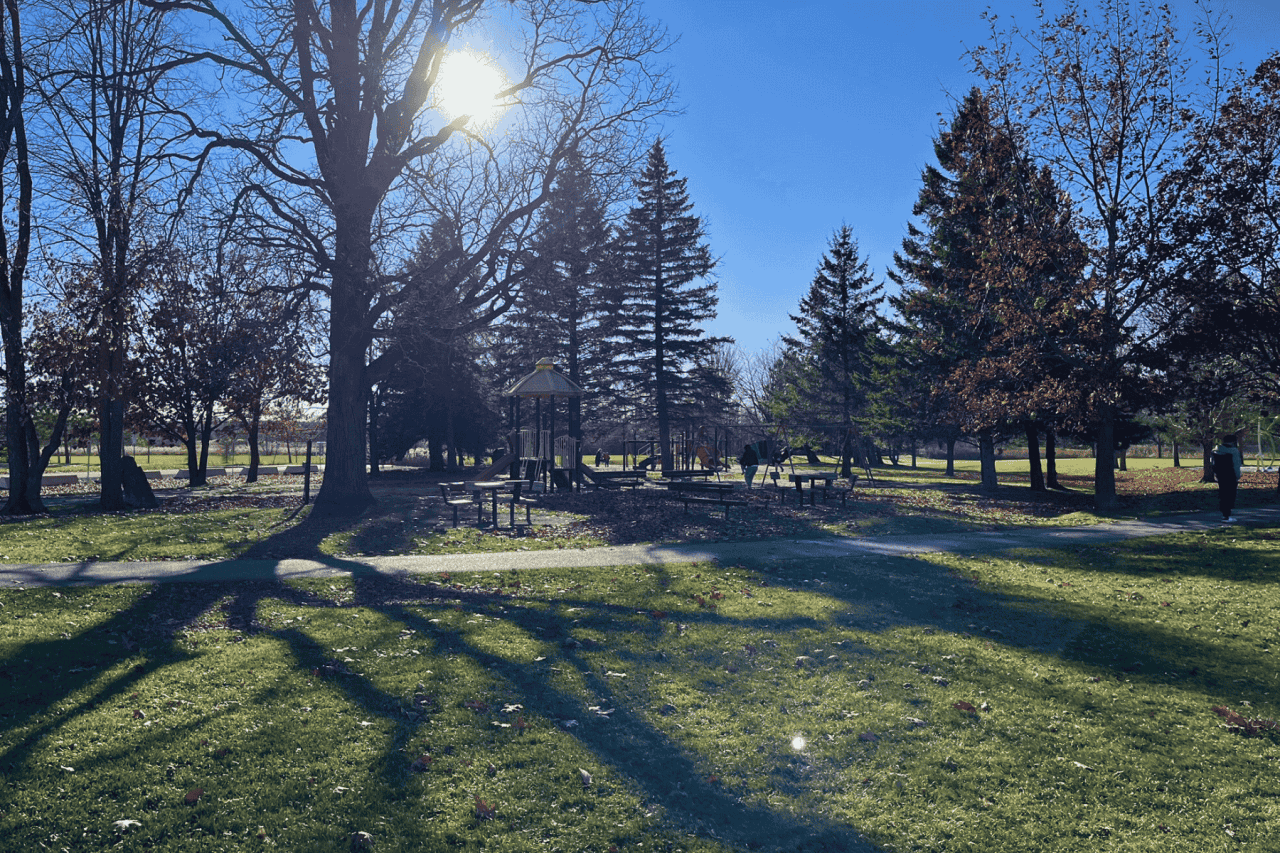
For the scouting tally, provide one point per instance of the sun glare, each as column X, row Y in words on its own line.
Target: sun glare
column 467, row 86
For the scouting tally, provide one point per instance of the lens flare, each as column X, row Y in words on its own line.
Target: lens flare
column 468, row 85
column 798, row 743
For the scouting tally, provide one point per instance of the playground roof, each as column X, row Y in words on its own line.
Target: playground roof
column 545, row 382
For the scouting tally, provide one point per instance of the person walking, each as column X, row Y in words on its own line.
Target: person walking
column 1226, row 470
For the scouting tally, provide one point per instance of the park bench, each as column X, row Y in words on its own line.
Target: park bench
column 456, row 496
column 722, row 500
column 618, row 479
column 689, row 492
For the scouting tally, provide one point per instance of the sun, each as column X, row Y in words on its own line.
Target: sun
column 468, row 85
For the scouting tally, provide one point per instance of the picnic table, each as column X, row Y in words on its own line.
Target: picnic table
column 687, row 492
column 826, row 478
column 492, row 487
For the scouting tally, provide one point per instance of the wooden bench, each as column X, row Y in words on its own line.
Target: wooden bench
column 455, row 496
column 723, row 501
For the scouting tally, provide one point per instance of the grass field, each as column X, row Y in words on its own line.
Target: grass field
column 1056, row 700
column 172, row 458
column 1112, row 698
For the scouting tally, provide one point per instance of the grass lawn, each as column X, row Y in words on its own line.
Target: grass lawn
column 1055, row 700
column 229, row 518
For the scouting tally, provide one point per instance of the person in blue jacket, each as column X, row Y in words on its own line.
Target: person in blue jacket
column 1226, row 470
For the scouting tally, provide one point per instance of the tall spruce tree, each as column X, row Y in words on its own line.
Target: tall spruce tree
column 665, row 296
column 563, row 311
column 992, row 289
column 836, row 341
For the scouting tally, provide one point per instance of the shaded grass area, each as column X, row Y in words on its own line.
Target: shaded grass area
column 1048, row 700
column 230, row 519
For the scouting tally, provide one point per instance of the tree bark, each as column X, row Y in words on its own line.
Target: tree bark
column 951, row 457
column 1104, row 474
column 1051, row 456
column 987, row 464
column 344, row 492
column 1206, row 446
column 252, row 426
column 1033, row 456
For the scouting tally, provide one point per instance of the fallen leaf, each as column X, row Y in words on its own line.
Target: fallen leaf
column 361, row 841
column 421, row 763
column 125, row 825
column 138, row 714
column 193, row 796
column 586, row 778
column 965, row 706
column 484, row 811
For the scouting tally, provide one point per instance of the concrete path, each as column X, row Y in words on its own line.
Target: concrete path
column 754, row 553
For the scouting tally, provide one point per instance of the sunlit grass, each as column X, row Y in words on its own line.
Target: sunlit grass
column 213, row 534
column 1050, row 700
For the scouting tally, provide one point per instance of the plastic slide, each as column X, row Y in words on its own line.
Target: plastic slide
column 496, row 468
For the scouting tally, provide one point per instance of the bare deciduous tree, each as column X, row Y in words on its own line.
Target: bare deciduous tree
column 351, row 157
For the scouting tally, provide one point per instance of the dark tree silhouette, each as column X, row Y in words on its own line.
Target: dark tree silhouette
column 27, row 459
column 666, row 295
column 356, row 84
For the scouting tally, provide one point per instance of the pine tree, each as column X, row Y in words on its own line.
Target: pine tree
column 837, row 337
column 666, row 294
column 992, row 286
column 564, row 308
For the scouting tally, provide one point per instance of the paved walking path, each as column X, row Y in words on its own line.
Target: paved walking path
column 755, row 553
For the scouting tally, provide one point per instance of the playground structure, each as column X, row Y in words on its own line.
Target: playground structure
column 537, row 454
column 719, row 448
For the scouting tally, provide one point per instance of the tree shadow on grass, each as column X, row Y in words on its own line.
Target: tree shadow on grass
column 879, row 593
column 665, row 773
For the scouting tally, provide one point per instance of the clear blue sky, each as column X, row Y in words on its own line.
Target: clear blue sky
column 801, row 116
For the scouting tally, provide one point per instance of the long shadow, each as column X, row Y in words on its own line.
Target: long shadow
column 913, row 592
column 149, row 627
column 917, row 593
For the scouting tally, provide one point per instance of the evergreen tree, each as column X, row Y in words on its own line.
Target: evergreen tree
column 836, row 341
column 664, row 297
column 992, row 288
column 435, row 390
column 564, row 308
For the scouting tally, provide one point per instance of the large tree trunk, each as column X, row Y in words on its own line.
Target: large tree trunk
column 951, row 457
column 206, row 433
column 252, row 426
column 1104, row 473
column 1051, row 457
column 344, row 492
column 987, row 464
column 1206, row 447
column 1033, row 456
column 111, row 454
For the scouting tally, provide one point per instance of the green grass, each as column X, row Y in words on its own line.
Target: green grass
column 178, row 459
column 208, row 535
column 302, row 708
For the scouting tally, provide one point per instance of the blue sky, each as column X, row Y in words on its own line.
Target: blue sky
column 802, row 116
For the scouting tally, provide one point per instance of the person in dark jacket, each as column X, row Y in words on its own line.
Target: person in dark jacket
column 1227, row 462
